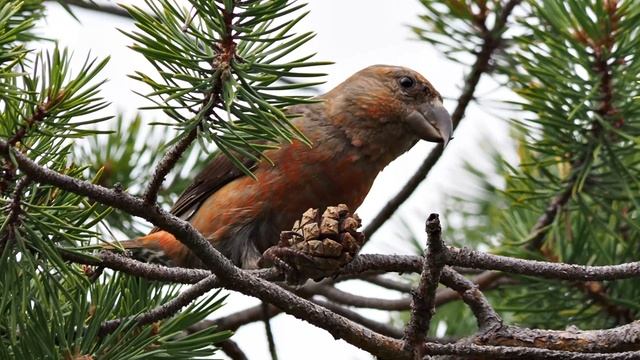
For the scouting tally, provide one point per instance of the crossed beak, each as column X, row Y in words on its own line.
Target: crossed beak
column 431, row 122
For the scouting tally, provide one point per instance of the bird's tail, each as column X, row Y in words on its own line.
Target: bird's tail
column 161, row 242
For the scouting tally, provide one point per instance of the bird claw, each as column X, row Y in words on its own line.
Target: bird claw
column 298, row 266
column 286, row 260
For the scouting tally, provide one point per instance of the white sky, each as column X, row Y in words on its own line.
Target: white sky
column 353, row 34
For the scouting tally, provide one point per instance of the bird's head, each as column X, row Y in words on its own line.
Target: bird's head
column 391, row 99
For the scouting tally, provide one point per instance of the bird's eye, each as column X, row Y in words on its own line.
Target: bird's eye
column 406, row 82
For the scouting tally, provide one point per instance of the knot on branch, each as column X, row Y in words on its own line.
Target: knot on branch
column 432, row 227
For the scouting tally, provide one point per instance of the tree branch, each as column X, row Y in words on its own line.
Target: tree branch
column 622, row 338
column 235, row 279
column 232, row 350
column 550, row 270
column 388, row 283
column 134, row 267
column 487, row 317
column 234, row 321
column 14, row 210
column 423, row 297
column 509, row 353
column 167, row 309
column 382, row 328
column 266, row 316
column 166, row 164
column 343, row 297
column 221, row 61
column 541, row 227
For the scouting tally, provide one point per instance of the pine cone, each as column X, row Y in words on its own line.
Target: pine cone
column 318, row 246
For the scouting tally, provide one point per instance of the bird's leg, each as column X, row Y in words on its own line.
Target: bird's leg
column 287, row 260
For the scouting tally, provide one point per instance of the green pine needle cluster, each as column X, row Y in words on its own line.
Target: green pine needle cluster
column 574, row 65
column 218, row 69
column 226, row 71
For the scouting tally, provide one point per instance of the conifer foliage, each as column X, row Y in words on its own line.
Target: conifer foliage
column 218, row 66
column 224, row 74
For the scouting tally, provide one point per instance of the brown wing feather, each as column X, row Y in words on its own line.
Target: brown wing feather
column 219, row 172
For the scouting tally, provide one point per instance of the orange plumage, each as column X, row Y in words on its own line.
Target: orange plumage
column 356, row 130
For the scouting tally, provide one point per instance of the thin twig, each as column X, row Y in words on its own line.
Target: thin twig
column 388, row 283
column 487, row 317
column 423, row 297
column 343, row 297
column 167, row 309
column 165, row 165
column 212, row 98
column 232, row 350
column 491, row 41
column 13, row 217
column 234, row 321
column 485, row 281
column 379, row 327
column 134, row 267
column 266, row 316
column 541, row 228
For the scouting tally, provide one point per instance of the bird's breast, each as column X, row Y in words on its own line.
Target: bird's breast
column 326, row 174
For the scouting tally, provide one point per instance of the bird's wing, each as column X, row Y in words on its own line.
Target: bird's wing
column 219, row 172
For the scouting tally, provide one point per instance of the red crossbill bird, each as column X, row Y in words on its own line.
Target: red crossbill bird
column 355, row 130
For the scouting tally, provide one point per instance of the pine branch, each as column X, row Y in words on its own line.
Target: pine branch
column 235, row 279
column 134, row 267
column 266, row 316
column 618, row 339
column 166, row 164
column 232, row 350
column 424, row 296
column 379, row 327
column 236, row 320
column 470, row 293
column 473, row 351
column 39, row 114
column 167, row 309
column 222, row 61
column 597, row 292
column 487, row 280
column 365, row 263
column 541, row 227
column 388, row 283
column 550, row 270
column 13, row 217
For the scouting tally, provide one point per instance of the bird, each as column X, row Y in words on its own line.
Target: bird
column 355, row 130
